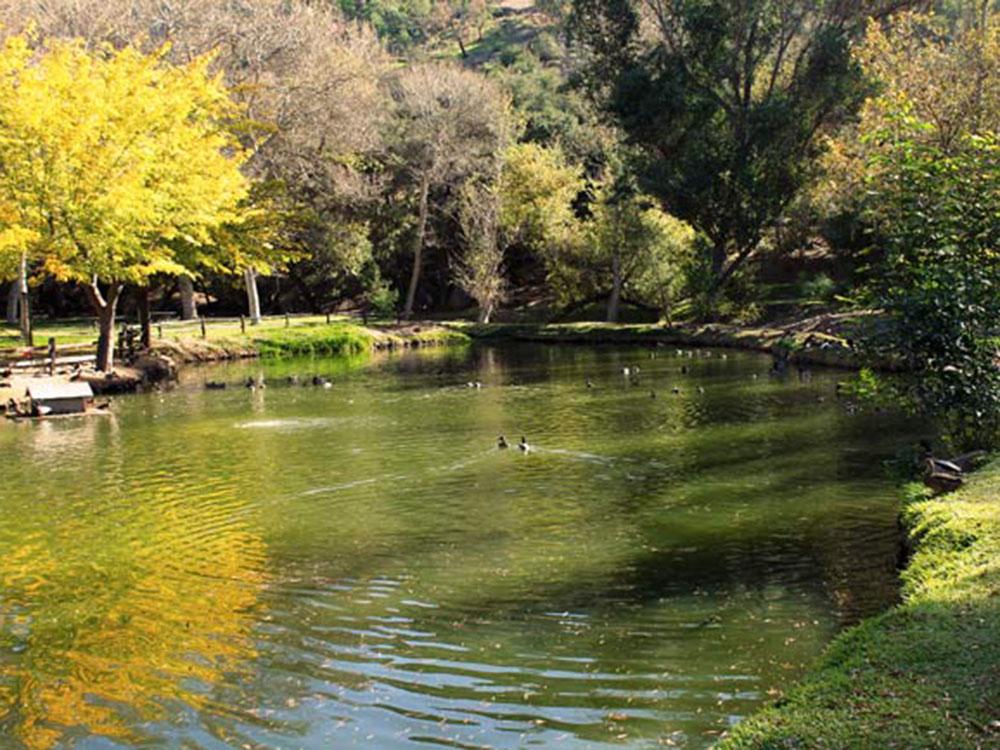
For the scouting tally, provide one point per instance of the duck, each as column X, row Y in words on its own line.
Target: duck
column 502, row 443
column 293, row 380
column 676, row 391
column 652, row 394
column 320, row 381
column 523, row 445
column 627, row 371
column 942, row 476
column 701, row 389
column 590, row 383
column 212, row 385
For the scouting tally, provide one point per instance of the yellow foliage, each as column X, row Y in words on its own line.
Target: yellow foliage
column 937, row 84
column 537, row 190
column 111, row 160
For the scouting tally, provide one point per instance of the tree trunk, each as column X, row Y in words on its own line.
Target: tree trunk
column 485, row 313
column 13, row 303
column 24, row 303
column 718, row 259
column 615, row 300
column 105, row 308
column 253, row 296
column 189, row 310
column 418, row 249
column 145, row 325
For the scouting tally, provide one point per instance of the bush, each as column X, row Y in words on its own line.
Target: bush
column 939, row 283
column 546, row 47
column 820, row 288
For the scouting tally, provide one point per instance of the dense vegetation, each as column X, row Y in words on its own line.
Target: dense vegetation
column 684, row 160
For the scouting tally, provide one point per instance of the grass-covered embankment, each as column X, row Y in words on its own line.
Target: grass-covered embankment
column 925, row 674
column 821, row 340
column 333, row 339
column 273, row 336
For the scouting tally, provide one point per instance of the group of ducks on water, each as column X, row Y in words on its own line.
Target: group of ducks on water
column 258, row 384
column 523, row 446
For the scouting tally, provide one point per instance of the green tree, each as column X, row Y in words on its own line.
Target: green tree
column 538, row 188
column 937, row 217
column 627, row 250
column 728, row 99
column 479, row 270
column 448, row 125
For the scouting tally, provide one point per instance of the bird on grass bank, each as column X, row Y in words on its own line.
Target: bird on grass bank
column 502, row 443
column 947, row 475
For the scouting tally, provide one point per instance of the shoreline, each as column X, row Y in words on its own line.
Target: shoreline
column 924, row 674
column 166, row 357
column 817, row 341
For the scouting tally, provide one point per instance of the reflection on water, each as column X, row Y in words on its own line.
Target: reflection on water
column 359, row 566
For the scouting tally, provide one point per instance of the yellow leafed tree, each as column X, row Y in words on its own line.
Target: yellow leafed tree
column 113, row 164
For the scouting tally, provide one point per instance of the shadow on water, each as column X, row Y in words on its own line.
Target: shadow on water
column 359, row 565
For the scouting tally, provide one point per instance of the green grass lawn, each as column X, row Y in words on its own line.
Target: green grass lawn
column 927, row 673
column 272, row 337
column 83, row 332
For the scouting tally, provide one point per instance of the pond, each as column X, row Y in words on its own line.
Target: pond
column 359, row 565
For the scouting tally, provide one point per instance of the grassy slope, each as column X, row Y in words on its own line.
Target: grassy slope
column 303, row 335
column 927, row 673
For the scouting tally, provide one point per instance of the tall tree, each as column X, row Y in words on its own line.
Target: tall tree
column 728, row 99
column 307, row 81
column 115, row 156
column 448, row 124
column 479, row 271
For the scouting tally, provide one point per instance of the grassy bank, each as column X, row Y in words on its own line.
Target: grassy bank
column 927, row 673
column 272, row 337
column 821, row 340
column 307, row 339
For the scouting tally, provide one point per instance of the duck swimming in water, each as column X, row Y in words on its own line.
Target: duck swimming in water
column 523, row 445
column 502, row 443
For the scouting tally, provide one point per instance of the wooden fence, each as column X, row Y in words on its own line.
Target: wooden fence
column 55, row 355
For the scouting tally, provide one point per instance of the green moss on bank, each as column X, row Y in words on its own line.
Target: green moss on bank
column 927, row 673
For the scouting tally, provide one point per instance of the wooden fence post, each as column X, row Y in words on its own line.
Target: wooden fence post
column 243, row 325
column 159, row 330
column 288, row 322
column 52, row 356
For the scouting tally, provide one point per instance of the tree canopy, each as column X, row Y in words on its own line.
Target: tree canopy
column 113, row 158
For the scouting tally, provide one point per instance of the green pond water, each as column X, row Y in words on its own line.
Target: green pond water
column 301, row 567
